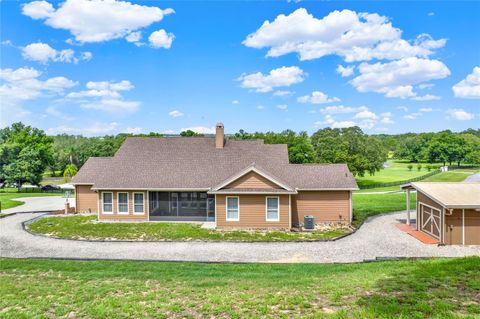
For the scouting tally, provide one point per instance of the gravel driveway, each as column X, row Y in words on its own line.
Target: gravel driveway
column 474, row 178
column 378, row 237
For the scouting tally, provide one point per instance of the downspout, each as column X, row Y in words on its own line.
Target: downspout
column 290, row 211
column 463, row 226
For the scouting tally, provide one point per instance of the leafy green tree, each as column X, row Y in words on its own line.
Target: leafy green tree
column 362, row 153
column 190, row 133
column 70, row 171
column 25, row 153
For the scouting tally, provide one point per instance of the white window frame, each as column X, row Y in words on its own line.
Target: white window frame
column 278, row 209
column 238, row 209
column 118, row 203
column 143, row 203
column 103, row 203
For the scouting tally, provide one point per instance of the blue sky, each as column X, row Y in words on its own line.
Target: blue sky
column 98, row 68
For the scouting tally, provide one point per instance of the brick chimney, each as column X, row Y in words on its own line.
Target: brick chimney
column 219, row 135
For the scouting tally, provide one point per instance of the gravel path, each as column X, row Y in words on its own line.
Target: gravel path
column 46, row 203
column 474, row 178
column 378, row 237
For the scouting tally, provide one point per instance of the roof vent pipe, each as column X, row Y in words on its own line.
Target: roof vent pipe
column 219, row 135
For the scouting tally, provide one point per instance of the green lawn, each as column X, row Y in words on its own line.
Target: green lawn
column 365, row 205
column 397, row 171
column 8, row 199
column 454, row 176
column 436, row 288
column 82, row 227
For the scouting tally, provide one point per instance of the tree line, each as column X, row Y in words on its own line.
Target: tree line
column 27, row 152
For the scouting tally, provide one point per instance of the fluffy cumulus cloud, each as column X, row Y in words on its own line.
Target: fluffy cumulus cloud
column 469, row 88
column 96, row 20
column 345, row 71
column 317, row 97
column 161, row 39
column 360, row 116
column 397, row 78
column 460, row 115
column 281, row 77
column 43, row 53
column 25, row 84
column 105, row 96
column 351, row 35
column 341, row 109
column 175, row 113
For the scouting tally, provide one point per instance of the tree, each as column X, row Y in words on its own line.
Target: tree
column 190, row 133
column 25, row 153
column 362, row 153
column 70, row 171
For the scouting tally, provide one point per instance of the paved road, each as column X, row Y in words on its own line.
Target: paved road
column 45, row 203
column 474, row 178
column 378, row 237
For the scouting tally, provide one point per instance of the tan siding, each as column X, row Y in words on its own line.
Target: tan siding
column 252, row 212
column 86, row 200
column 324, row 206
column 252, row 180
column 130, row 216
column 453, row 229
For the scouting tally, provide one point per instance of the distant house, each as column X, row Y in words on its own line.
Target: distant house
column 235, row 183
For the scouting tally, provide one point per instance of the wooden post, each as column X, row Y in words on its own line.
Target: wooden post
column 408, row 206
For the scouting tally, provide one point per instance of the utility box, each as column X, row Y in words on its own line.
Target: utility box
column 308, row 222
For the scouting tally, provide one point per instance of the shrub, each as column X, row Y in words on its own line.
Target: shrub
column 428, row 167
column 419, row 167
column 410, row 166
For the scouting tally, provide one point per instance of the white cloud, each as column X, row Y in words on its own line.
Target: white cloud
column 396, row 78
column 425, row 109
column 340, row 109
column 260, row 107
column 97, row 128
column 281, row 77
column 345, row 71
column 200, row 129
column 430, row 14
column 330, row 121
column 412, row 116
column 235, row 102
column 387, row 118
column 112, row 105
column 424, row 86
column 24, row 84
column 134, row 37
column 105, row 96
column 366, row 115
column 469, row 88
column 134, row 130
column 95, row 20
column 43, row 53
column 460, row 115
column 426, row 97
column 402, row 108
column 175, row 113
column 317, row 97
column 283, row 93
column 161, row 39
column 351, row 35
column 282, row 107
column 51, row 110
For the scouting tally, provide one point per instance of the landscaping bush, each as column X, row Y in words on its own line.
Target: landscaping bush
column 410, row 166
column 419, row 167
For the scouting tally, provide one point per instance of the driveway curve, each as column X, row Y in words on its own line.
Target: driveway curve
column 378, row 237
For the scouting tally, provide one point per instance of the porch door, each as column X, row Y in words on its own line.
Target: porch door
column 430, row 220
column 173, row 204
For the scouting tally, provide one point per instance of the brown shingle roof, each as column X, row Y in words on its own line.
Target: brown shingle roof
column 195, row 163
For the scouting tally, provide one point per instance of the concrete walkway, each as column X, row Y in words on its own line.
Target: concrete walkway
column 378, row 237
column 474, row 178
column 36, row 204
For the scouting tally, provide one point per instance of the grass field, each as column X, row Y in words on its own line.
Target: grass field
column 8, row 199
column 454, row 176
column 81, row 227
column 441, row 288
column 366, row 205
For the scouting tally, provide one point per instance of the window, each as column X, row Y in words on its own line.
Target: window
column 138, row 203
column 123, row 203
column 233, row 211
column 272, row 209
column 107, row 199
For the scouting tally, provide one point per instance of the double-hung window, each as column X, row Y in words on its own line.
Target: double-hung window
column 273, row 209
column 107, row 200
column 233, row 209
column 122, row 203
column 138, row 203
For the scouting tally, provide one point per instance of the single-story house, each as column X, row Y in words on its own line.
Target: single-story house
column 236, row 183
column 448, row 212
